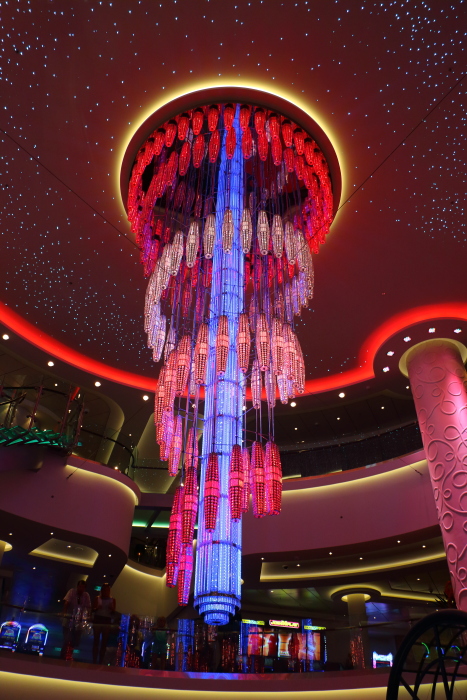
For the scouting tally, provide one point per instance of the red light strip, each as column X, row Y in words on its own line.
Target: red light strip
column 35, row 336
column 17, row 324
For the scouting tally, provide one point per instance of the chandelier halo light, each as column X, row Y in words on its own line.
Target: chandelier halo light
column 228, row 198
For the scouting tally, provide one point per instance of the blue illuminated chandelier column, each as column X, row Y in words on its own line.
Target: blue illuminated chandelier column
column 218, row 559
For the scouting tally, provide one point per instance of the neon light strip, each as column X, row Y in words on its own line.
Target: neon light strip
column 284, row 623
column 364, row 372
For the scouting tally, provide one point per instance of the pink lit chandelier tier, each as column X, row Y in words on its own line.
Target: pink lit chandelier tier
column 228, row 202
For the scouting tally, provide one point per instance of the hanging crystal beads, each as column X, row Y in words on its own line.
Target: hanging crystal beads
column 230, row 197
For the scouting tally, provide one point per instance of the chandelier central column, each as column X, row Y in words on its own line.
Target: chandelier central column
column 218, row 558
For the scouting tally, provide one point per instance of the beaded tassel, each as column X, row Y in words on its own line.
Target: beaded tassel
column 190, row 505
column 273, row 477
column 192, row 244
column 174, row 539
column 211, row 492
column 236, row 482
column 222, row 345
column 263, row 343
column 201, row 354
column 227, row 229
column 255, row 382
column 185, row 574
column 175, row 447
column 258, row 482
column 262, row 231
column 243, row 343
column 183, row 364
column 246, row 480
column 246, row 230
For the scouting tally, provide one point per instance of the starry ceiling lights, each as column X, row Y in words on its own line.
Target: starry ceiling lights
column 228, row 202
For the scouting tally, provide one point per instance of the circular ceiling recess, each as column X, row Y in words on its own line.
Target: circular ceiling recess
column 292, row 140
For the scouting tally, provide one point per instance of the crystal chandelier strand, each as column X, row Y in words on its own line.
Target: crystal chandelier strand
column 217, row 571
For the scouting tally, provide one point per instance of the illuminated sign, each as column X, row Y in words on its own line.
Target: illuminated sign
column 313, row 627
column 285, row 623
column 382, row 659
column 253, row 622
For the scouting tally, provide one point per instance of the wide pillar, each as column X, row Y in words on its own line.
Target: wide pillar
column 358, row 623
column 438, row 382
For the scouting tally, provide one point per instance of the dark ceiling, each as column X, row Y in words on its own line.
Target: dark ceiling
column 384, row 80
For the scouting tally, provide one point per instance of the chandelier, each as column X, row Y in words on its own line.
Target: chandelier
column 228, row 202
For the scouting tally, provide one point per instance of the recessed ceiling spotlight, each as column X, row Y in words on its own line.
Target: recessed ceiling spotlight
column 145, row 397
column 338, row 418
column 398, row 541
column 97, row 383
column 418, row 579
column 56, row 384
column 262, row 558
column 390, row 353
column 361, row 558
column 5, row 336
column 293, row 404
column 295, row 428
column 385, row 369
column 330, row 552
column 408, row 386
column 341, row 395
column 407, row 339
column 116, row 468
column 298, row 564
column 423, row 546
column 457, row 330
column 50, row 363
column 382, row 408
column 431, row 330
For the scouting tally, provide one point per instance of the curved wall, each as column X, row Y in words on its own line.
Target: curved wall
column 68, row 496
column 347, row 508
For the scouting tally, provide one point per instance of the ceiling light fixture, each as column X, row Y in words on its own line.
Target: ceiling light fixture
column 97, row 383
column 407, row 339
column 193, row 168
column 5, row 336
column 293, row 404
column 341, row 395
column 390, row 353
column 457, row 330
column 50, row 363
column 145, row 397
column 431, row 330
column 385, row 369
